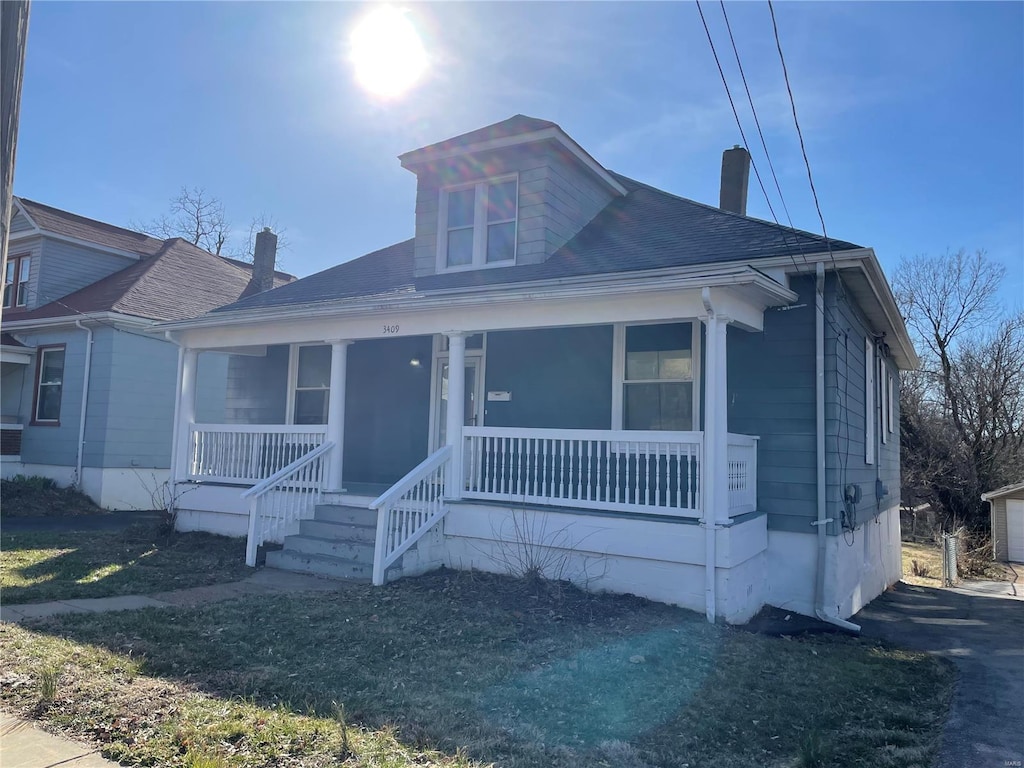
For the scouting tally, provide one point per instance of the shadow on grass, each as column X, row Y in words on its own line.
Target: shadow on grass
column 523, row 678
column 41, row 566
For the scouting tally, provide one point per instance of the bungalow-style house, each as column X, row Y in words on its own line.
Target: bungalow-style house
column 1006, row 515
column 652, row 395
column 87, row 394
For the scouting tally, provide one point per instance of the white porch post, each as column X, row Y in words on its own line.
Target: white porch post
column 336, row 413
column 716, row 423
column 186, row 414
column 456, row 409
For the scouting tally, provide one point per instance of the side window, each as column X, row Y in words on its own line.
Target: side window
column 49, row 385
column 869, row 401
column 16, row 278
column 312, row 385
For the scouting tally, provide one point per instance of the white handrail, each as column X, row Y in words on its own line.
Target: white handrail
column 288, row 495
column 410, row 508
column 246, row 453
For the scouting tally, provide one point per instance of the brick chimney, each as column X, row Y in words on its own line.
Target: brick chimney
column 735, row 176
column 264, row 256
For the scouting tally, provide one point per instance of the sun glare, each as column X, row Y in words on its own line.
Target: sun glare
column 387, row 53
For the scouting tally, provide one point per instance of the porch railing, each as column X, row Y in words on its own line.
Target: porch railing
column 410, row 508
column 615, row 470
column 287, row 496
column 742, row 457
column 243, row 453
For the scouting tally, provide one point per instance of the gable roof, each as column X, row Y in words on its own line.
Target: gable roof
column 179, row 282
column 513, row 126
column 58, row 222
column 645, row 229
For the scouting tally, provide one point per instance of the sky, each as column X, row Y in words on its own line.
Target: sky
column 912, row 113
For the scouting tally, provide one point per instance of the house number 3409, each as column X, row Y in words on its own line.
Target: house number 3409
column 390, row 329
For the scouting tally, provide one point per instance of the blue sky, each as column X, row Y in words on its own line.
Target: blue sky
column 913, row 113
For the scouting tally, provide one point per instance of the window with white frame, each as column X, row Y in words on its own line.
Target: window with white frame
column 16, row 281
column 312, row 386
column 890, row 421
column 49, row 385
column 657, row 386
column 478, row 224
column 869, row 401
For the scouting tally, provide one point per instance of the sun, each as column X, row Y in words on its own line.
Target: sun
column 386, row 52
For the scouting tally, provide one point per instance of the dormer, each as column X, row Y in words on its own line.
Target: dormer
column 506, row 195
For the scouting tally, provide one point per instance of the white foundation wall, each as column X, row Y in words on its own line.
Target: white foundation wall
column 117, row 488
column 662, row 561
column 212, row 508
column 858, row 567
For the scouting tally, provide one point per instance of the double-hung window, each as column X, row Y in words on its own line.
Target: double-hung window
column 49, row 385
column 16, row 281
column 478, row 224
column 312, row 385
column 658, row 377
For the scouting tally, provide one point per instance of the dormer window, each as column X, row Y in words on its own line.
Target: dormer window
column 16, row 282
column 478, row 225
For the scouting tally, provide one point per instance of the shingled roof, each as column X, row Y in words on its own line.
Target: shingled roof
column 643, row 230
column 513, row 126
column 50, row 219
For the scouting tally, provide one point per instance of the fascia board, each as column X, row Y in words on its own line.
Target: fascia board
column 770, row 293
column 21, row 209
column 76, row 241
column 102, row 318
column 410, row 160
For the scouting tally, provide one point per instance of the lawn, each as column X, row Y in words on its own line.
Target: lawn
column 40, row 566
column 458, row 669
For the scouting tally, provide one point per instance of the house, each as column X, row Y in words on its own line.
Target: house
column 1006, row 507
column 652, row 395
column 87, row 394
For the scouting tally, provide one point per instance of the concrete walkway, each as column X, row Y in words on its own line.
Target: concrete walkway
column 23, row 744
column 979, row 627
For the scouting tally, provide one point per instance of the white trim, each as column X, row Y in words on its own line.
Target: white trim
column 891, row 415
column 476, row 357
column 479, row 226
column 619, row 380
column 107, row 318
column 869, row 401
column 17, row 355
column 417, row 156
column 21, row 209
column 618, row 372
column 92, row 245
column 883, row 398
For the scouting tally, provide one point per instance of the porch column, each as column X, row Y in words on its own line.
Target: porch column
column 186, row 414
column 456, row 409
column 336, row 413
column 716, row 423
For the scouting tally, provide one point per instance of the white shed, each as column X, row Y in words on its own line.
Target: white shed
column 1007, row 510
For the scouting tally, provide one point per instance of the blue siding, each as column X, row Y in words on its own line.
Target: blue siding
column 19, row 223
column 560, row 378
column 387, row 409
column 65, row 268
column 257, row 388
column 211, row 388
column 12, row 391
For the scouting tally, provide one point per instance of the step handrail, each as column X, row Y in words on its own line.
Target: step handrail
column 408, row 509
column 299, row 501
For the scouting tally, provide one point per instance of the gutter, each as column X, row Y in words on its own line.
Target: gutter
column 85, row 402
column 819, row 431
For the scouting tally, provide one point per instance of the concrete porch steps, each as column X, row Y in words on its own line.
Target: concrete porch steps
column 338, row 542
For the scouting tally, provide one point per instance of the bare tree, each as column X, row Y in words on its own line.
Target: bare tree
column 193, row 215
column 245, row 251
column 962, row 422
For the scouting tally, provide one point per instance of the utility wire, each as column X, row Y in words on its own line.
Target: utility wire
column 753, row 110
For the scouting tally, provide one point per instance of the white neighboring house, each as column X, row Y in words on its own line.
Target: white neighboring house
column 652, row 395
column 87, row 394
column 1006, row 507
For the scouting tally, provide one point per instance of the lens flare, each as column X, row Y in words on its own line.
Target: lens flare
column 387, row 53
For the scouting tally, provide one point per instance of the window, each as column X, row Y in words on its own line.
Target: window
column 16, row 281
column 312, row 385
column 890, row 421
column 479, row 225
column 658, row 377
column 883, row 399
column 49, row 384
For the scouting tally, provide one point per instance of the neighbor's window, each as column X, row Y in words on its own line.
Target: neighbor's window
column 16, row 281
column 50, row 383
column 479, row 224
column 312, row 385
column 658, row 384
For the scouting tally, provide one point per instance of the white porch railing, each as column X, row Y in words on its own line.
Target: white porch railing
column 615, row 470
column 410, row 508
column 742, row 456
column 243, row 453
column 287, row 496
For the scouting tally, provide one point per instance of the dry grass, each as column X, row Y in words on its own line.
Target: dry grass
column 457, row 669
column 40, row 566
column 928, row 571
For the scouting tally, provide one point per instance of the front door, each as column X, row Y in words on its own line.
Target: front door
column 471, row 399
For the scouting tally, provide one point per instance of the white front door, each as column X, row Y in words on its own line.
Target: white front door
column 471, row 402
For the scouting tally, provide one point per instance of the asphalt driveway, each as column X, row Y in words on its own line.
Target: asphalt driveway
column 983, row 636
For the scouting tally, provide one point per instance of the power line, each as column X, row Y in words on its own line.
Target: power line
column 753, row 111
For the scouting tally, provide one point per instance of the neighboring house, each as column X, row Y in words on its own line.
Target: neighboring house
column 653, row 395
column 87, row 393
column 1006, row 506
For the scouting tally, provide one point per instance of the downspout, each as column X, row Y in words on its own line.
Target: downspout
column 85, row 402
column 819, row 430
column 172, row 476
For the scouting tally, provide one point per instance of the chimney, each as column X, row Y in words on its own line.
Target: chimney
column 264, row 256
column 735, row 175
